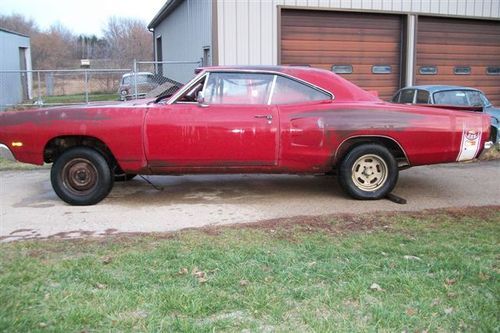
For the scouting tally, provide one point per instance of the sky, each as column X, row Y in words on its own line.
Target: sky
column 81, row 16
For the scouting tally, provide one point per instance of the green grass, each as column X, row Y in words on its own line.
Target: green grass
column 292, row 275
column 80, row 98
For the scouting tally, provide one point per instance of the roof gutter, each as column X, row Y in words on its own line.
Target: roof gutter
column 167, row 8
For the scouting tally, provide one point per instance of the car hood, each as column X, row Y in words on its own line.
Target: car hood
column 91, row 111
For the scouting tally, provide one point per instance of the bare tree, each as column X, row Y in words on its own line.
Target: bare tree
column 54, row 49
column 19, row 23
column 125, row 39
column 128, row 39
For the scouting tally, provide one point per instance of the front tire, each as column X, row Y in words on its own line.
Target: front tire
column 368, row 172
column 81, row 176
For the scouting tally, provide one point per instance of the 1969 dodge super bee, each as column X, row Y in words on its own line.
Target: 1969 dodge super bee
column 292, row 120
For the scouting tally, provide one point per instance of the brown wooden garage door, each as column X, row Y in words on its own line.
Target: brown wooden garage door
column 324, row 39
column 459, row 52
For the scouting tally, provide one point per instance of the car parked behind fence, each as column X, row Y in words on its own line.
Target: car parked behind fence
column 445, row 95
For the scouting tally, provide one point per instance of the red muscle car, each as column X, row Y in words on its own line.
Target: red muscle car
column 294, row 120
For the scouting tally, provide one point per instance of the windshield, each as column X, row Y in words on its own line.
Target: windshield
column 461, row 97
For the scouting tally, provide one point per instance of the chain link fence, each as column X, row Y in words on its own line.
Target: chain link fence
column 146, row 79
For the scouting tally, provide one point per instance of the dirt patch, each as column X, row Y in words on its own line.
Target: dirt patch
column 283, row 228
column 343, row 223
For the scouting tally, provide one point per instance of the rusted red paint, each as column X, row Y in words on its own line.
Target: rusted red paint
column 161, row 138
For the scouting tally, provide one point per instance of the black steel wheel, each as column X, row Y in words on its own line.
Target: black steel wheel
column 368, row 172
column 81, row 176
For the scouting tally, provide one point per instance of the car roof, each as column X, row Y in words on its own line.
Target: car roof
column 434, row 88
column 340, row 88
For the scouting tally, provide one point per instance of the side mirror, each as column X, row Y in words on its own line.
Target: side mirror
column 200, row 98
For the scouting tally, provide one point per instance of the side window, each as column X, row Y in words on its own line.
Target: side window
column 288, row 91
column 422, row 97
column 475, row 98
column 407, row 96
column 238, row 88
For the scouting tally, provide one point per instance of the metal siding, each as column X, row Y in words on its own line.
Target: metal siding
column 462, row 8
column 243, row 38
column 11, row 93
column 268, row 37
column 184, row 34
column 478, row 8
column 254, row 36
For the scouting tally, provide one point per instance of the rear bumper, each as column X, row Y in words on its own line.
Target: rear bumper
column 6, row 153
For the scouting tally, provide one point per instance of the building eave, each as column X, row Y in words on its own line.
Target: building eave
column 13, row 32
column 167, row 8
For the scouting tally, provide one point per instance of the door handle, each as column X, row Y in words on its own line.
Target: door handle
column 265, row 116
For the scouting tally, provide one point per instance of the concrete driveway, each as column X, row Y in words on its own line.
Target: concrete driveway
column 30, row 209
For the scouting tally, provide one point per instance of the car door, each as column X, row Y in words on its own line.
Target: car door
column 233, row 126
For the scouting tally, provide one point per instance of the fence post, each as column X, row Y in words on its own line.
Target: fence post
column 86, row 88
column 135, row 78
column 39, row 100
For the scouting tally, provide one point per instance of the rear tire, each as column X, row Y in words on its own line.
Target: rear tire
column 81, row 176
column 368, row 172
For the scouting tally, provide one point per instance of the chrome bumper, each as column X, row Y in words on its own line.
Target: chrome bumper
column 488, row 145
column 6, row 153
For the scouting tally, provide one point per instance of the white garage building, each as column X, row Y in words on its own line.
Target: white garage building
column 380, row 45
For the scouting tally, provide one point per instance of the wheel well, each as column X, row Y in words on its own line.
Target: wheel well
column 56, row 146
column 493, row 134
column 394, row 148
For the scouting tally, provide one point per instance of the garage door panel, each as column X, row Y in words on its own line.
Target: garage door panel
column 343, row 53
column 459, row 49
column 465, row 38
column 434, row 24
column 360, row 37
column 324, row 38
column 340, row 20
column 342, row 60
column 311, row 45
column 447, row 43
column 465, row 81
column 353, row 31
column 463, row 60
column 478, row 70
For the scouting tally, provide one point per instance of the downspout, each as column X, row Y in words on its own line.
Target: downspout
column 154, row 49
column 410, row 51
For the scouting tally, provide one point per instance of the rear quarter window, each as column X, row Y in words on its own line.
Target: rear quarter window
column 288, row 91
column 422, row 97
column 407, row 96
column 395, row 99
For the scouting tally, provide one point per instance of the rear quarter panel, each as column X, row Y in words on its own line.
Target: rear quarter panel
column 311, row 134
